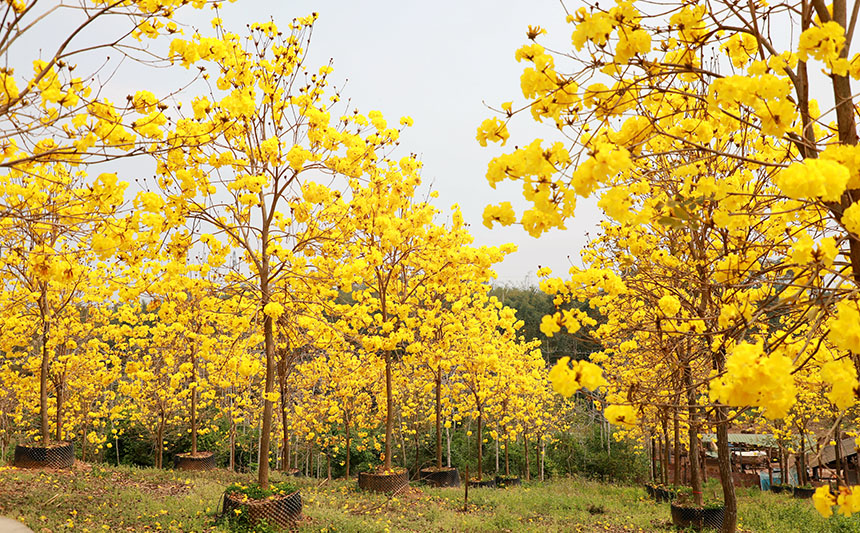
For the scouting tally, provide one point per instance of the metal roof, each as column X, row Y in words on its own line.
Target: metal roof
column 759, row 440
column 828, row 453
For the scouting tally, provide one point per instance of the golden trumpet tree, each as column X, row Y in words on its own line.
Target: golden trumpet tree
column 257, row 162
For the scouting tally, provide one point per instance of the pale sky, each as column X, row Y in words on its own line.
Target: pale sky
column 438, row 62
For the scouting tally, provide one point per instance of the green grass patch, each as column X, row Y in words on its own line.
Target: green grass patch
column 103, row 498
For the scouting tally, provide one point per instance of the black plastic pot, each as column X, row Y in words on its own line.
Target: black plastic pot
column 803, row 493
column 697, row 517
column 392, row 482
column 507, row 481
column 662, row 494
column 483, row 484
column 650, row 490
column 201, row 462
column 283, row 511
column 446, row 477
column 777, row 489
column 60, row 455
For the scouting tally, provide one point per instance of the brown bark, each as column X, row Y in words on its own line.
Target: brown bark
column 730, row 518
column 45, row 368
column 269, row 343
column 59, row 414
column 439, row 417
column 389, row 414
column 194, row 405
column 676, row 470
column 695, row 473
column 480, row 447
column 348, row 440
column 526, row 443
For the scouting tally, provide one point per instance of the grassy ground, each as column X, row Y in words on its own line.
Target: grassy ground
column 104, row 498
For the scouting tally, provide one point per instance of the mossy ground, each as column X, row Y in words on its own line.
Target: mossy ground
column 102, row 498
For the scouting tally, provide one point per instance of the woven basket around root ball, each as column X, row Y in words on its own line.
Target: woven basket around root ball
column 59, row 455
column 280, row 511
column 444, row 477
column 384, row 482
column 200, row 462
column 697, row 517
column 507, row 481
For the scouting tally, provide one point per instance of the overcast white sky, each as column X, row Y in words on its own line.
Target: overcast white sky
column 438, row 62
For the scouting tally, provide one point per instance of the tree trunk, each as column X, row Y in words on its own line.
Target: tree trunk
column 480, row 447
column 59, row 413
column 269, row 340
column 802, row 478
column 347, row 446
column 676, row 450
column 665, row 423
column 45, row 368
column 193, row 405
column 695, row 473
column 448, row 439
column 526, row 443
column 507, row 458
column 730, row 519
column 159, row 448
column 541, row 449
column 653, row 459
column 439, row 417
column 232, row 445
column 389, row 415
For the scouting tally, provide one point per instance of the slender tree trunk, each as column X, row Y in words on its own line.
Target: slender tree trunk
column 653, row 459
column 480, row 447
column 159, row 449
column 838, row 449
column 496, row 441
column 59, row 413
column 45, row 368
column 676, row 449
column 528, row 469
column 730, row 519
column 193, row 405
column 507, row 458
column 328, row 466
column 695, row 474
column 83, row 441
column 541, row 449
column 232, row 445
column 665, row 449
column 448, row 439
column 439, row 417
column 389, row 411
column 803, row 479
column 269, row 343
column 348, row 440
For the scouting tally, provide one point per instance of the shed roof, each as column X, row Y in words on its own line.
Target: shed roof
column 828, row 453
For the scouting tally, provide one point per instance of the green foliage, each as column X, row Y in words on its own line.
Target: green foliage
column 531, row 305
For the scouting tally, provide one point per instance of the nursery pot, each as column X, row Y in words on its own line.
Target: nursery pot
column 507, row 481
column 282, row 511
column 697, row 517
column 56, row 455
column 383, row 482
column 802, row 493
column 440, row 477
column 650, row 490
column 483, row 484
column 199, row 462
